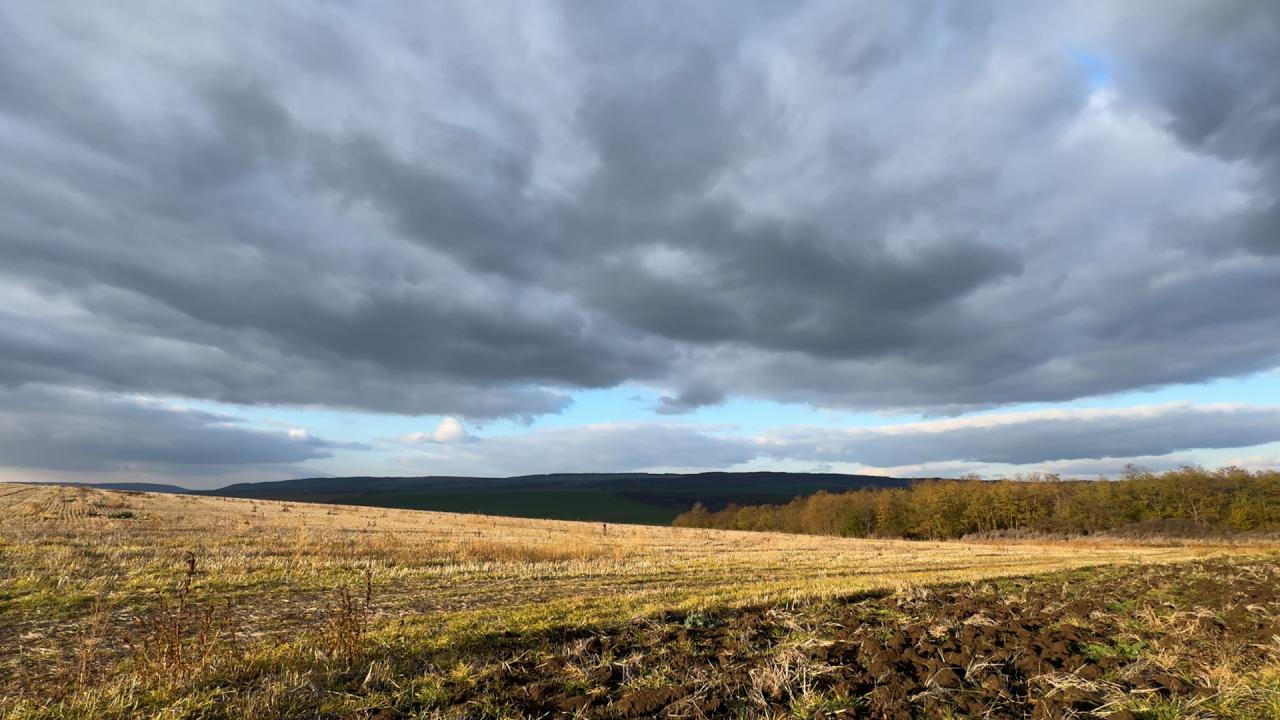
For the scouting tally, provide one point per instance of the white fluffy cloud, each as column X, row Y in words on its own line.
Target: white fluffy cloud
column 448, row 430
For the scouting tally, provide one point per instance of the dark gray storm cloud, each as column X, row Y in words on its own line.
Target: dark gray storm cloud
column 690, row 398
column 475, row 209
column 76, row 430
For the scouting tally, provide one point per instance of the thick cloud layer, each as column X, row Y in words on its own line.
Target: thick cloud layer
column 475, row 209
column 80, row 431
column 472, row 209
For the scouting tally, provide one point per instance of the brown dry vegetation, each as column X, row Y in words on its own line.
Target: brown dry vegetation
column 141, row 605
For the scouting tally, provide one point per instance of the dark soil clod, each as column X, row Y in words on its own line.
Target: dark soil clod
column 1026, row 648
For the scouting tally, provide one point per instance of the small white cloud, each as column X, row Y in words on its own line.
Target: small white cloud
column 449, row 430
column 299, row 433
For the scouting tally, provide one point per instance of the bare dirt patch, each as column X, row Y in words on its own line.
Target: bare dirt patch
column 1102, row 643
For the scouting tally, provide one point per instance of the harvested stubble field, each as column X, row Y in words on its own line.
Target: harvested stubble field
column 150, row 605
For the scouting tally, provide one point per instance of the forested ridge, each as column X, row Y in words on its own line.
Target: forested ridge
column 1189, row 499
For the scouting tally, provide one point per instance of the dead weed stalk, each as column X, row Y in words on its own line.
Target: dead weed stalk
column 179, row 638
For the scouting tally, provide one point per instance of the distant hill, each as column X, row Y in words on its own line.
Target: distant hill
column 646, row 498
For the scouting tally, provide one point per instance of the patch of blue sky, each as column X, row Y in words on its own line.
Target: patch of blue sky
column 736, row 416
column 750, row 416
column 1258, row 389
column 624, row 403
column 1096, row 67
column 742, row 415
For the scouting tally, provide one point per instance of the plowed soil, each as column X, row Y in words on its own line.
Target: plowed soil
column 1107, row 642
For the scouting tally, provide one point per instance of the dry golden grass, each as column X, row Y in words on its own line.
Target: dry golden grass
column 85, row 567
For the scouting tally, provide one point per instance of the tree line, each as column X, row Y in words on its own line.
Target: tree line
column 1189, row 499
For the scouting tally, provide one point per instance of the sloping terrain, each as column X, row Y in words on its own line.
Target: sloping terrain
column 150, row 605
column 645, row 498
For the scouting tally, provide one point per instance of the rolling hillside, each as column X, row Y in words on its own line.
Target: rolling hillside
column 608, row 497
column 152, row 605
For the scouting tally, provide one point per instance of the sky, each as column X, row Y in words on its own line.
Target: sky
column 255, row 241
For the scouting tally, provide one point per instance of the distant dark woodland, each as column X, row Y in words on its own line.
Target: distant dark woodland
column 1185, row 502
